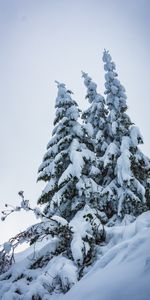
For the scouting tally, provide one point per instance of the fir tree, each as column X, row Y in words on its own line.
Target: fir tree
column 71, row 192
column 126, row 168
column 72, row 224
column 96, row 115
column 68, row 164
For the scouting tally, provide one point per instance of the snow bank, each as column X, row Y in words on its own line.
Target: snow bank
column 123, row 269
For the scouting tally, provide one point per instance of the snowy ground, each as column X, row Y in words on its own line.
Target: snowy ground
column 122, row 270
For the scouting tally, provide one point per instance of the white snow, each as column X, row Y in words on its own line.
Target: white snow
column 67, row 174
column 114, row 89
column 88, row 154
column 136, row 136
column 140, row 189
column 50, row 185
column 126, row 143
column 82, row 228
column 78, row 129
column 112, row 150
column 75, row 167
column 122, row 270
column 114, row 127
column 76, row 158
column 89, row 129
column 59, row 220
column 7, row 247
column 124, row 173
column 57, row 198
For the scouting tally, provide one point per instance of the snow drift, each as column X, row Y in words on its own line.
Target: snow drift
column 122, row 270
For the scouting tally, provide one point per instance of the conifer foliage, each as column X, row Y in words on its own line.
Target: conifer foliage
column 96, row 115
column 68, row 164
column 124, row 190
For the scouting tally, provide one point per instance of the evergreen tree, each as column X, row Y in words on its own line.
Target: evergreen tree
column 96, row 115
column 72, row 224
column 71, row 192
column 68, row 164
column 126, row 168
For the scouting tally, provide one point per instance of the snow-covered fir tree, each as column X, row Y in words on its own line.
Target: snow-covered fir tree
column 96, row 115
column 126, row 169
column 71, row 193
column 72, row 226
column 69, row 163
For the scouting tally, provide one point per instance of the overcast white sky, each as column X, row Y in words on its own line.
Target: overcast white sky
column 44, row 40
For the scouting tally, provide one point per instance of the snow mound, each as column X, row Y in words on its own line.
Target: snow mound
column 123, row 268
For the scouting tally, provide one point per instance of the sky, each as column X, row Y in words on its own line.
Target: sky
column 47, row 40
